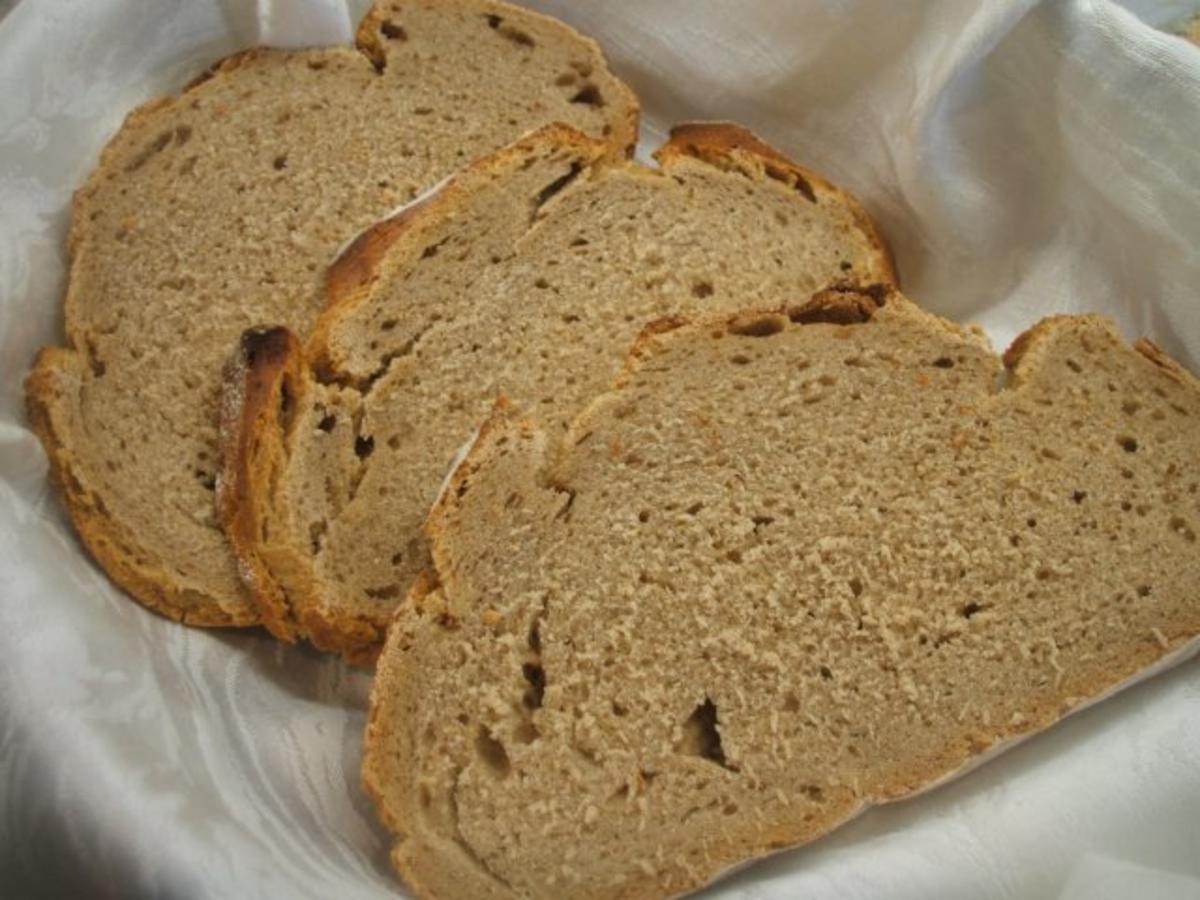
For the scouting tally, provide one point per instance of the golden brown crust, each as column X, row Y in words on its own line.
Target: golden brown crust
column 1026, row 340
column 722, row 143
column 106, row 540
column 1159, row 357
column 262, row 387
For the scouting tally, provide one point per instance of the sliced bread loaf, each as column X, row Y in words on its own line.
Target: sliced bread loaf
column 527, row 275
column 221, row 208
column 793, row 564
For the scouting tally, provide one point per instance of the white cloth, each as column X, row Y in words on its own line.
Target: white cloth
column 1024, row 157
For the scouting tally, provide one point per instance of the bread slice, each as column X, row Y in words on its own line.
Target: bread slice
column 527, row 275
column 221, row 208
column 793, row 564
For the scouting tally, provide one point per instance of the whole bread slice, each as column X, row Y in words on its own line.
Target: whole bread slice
column 221, row 208
column 793, row 564
column 526, row 275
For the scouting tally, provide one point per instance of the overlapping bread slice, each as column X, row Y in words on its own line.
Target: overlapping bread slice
column 526, row 275
column 221, row 208
column 793, row 564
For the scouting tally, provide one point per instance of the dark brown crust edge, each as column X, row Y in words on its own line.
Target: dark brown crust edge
column 261, row 384
column 719, row 143
column 845, row 307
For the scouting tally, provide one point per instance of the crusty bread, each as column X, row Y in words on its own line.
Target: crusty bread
column 221, row 208
column 527, row 275
column 792, row 564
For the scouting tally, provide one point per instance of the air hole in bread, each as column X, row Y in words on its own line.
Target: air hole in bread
column 385, row 592
column 393, row 31
column 517, row 36
column 793, row 179
column 761, row 326
column 1074, row 366
column 702, row 289
column 364, row 446
column 1180, row 526
column 492, row 753
column 280, row 162
column 702, row 736
column 536, row 676
column 826, row 673
column 564, row 512
column 285, row 404
column 156, row 146
column 327, row 422
column 944, row 362
column 555, row 186
column 1143, row 590
column 494, row 21
column 739, row 359
column 970, row 609
column 589, row 95
column 1128, row 444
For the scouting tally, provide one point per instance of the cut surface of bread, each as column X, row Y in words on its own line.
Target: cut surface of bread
column 221, row 208
column 794, row 563
column 526, row 276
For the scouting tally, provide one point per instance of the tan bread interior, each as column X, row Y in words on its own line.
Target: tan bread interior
column 787, row 568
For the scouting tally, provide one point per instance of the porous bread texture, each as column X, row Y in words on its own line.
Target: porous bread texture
column 792, row 564
column 221, row 208
column 526, row 276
